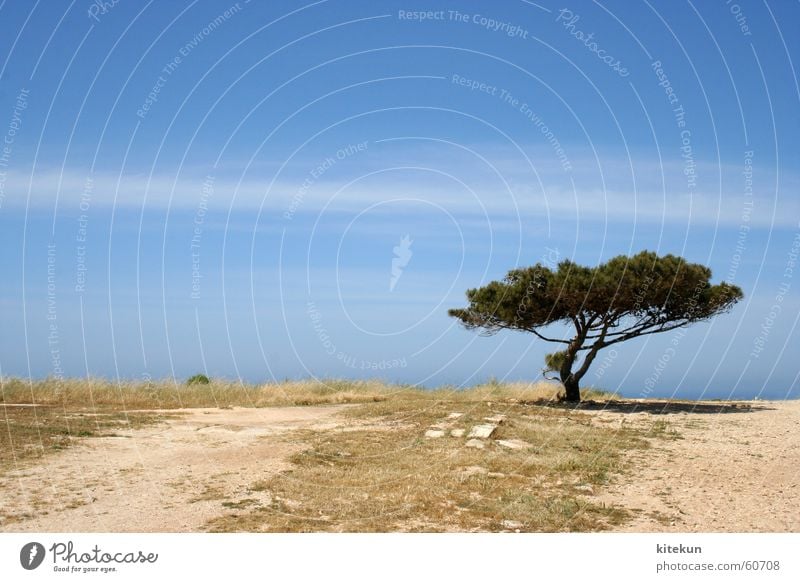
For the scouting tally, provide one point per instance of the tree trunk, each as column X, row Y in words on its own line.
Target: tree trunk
column 572, row 389
column 569, row 379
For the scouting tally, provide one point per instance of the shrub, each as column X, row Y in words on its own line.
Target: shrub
column 198, row 379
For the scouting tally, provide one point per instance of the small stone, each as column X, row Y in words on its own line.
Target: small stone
column 511, row 524
column 513, row 444
column 475, row 444
column 586, row 488
column 496, row 475
column 496, row 419
column 457, row 432
column 482, row 431
column 434, row 434
column 455, row 415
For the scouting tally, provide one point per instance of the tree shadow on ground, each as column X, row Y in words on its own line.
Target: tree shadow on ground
column 654, row 407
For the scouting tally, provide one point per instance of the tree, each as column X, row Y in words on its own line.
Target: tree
column 624, row 298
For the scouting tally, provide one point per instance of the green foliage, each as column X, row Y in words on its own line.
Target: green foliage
column 621, row 299
column 655, row 291
column 198, row 379
column 554, row 361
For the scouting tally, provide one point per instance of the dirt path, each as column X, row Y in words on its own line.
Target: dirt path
column 733, row 471
column 170, row 478
column 727, row 472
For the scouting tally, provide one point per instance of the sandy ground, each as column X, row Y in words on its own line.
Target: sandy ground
column 169, row 478
column 732, row 471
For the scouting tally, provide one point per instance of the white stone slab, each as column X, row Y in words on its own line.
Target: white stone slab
column 513, row 444
column 434, row 434
column 482, row 431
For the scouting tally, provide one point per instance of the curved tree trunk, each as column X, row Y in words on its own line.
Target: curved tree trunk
column 572, row 379
column 572, row 389
column 568, row 378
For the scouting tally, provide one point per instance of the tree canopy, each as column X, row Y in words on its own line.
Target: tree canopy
column 621, row 299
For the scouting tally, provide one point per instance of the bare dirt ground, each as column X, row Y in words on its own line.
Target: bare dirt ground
column 731, row 471
column 168, row 478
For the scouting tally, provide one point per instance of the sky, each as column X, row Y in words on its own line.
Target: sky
column 263, row 191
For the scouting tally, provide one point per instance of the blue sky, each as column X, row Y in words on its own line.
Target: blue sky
column 221, row 186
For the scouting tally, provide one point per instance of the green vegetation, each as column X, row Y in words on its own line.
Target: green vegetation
column 624, row 298
column 198, row 379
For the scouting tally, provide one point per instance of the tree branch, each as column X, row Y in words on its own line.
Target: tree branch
column 594, row 348
column 530, row 329
column 634, row 329
column 641, row 333
column 547, row 339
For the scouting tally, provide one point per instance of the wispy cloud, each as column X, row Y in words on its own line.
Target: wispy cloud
column 616, row 189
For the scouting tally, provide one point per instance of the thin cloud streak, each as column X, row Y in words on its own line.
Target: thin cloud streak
column 475, row 194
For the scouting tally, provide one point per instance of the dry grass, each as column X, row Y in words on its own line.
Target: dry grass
column 164, row 395
column 90, row 393
column 66, row 410
column 367, row 480
column 378, row 474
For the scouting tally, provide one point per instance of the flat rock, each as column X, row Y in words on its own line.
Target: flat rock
column 482, row 431
column 513, row 444
column 434, row 434
column 457, row 432
column 475, row 444
column 455, row 415
column 496, row 419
